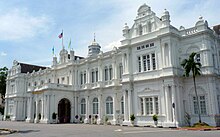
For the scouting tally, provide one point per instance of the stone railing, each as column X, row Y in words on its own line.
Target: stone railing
column 50, row 86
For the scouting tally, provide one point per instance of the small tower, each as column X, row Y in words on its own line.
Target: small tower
column 94, row 48
column 63, row 56
column 165, row 18
column 126, row 31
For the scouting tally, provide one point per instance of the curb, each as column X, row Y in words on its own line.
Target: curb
column 198, row 129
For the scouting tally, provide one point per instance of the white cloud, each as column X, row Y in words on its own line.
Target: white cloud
column 18, row 24
column 3, row 54
column 111, row 45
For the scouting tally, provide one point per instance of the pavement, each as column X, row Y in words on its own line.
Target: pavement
column 85, row 130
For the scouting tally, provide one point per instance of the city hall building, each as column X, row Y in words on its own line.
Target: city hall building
column 142, row 77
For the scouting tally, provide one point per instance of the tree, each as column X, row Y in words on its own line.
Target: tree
column 3, row 76
column 190, row 65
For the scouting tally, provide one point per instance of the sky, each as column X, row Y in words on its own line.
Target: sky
column 29, row 29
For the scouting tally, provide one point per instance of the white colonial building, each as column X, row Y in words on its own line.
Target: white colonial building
column 142, row 77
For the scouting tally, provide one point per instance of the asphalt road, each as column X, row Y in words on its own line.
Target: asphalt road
column 84, row 130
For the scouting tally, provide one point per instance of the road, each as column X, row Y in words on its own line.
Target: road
column 85, row 130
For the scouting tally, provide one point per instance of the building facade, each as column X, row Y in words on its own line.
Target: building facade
column 142, row 77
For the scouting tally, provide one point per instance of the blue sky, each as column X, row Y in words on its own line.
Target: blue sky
column 30, row 28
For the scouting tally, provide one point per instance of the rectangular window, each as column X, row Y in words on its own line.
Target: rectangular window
column 106, row 74
column 85, row 78
column 68, row 81
column 93, row 76
column 148, row 62
column 96, row 75
column 156, row 105
column 198, row 58
column 144, row 63
column 147, row 45
column 139, row 64
column 83, row 108
column 202, row 105
column 151, row 44
column 95, row 108
column 81, row 78
column 142, row 106
column 153, row 61
column 110, row 73
column 122, row 107
column 213, row 60
column 120, row 71
column 149, row 106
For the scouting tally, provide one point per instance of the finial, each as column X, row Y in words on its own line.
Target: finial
column 200, row 17
column 94, row 37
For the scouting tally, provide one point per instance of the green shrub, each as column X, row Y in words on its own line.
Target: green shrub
column 155, row 117
column 132, row 117
column 54, row 115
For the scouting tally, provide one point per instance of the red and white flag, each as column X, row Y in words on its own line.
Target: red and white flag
column 61, row 35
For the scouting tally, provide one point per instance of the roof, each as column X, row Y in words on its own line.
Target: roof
column 217, row 29
column 25, row 68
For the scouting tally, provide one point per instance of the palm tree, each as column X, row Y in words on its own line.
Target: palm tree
column 194, row 66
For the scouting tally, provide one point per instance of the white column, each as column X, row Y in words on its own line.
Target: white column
column 178, row 106
column 100, row 109
column 28, row 110
column 142, row 65
column 114, row 108
column 167, row 103
column 6, row 108
column 154, row 108
column 75, row 104
column 173, row 102
column 48, row 109
column 87, row 110
column 169, row 60
column 144, row 106
column 42, row 109
column 129, row 104
column 125, row 106
column 36, row 114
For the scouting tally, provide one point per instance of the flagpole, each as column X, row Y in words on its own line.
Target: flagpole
column 62, row 39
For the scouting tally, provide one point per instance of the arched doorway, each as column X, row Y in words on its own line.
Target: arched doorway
column 64, row 111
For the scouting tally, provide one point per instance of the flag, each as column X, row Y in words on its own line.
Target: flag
column 61, row 35
column 69, row 44
column 53, row 50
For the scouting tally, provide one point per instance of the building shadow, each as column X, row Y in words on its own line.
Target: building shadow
column 27, row 131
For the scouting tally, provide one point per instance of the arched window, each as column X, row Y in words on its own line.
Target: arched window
column 83, row 106
column 95, row 104
column 35, row 83
column 49, row 81
column 109, row 105
column 122, row 105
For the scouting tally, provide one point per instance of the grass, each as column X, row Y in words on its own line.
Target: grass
column 199, row 126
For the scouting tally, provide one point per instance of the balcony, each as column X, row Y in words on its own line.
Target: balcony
column 50, row 86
